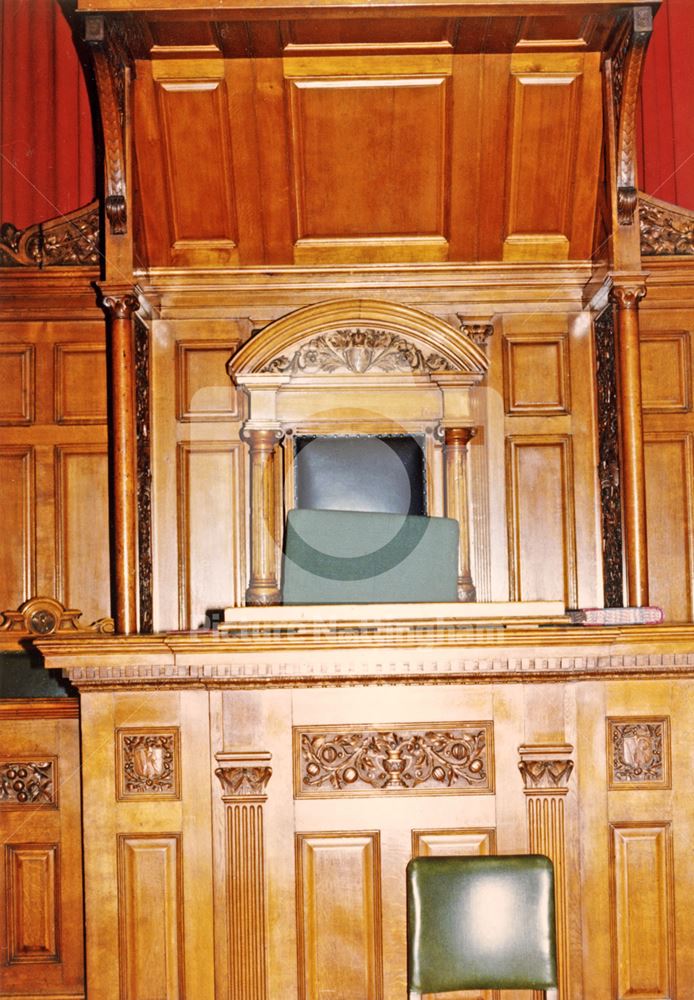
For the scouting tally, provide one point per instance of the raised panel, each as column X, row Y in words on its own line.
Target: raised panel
column 541, row 525
column 17, row 381
column 80, row 384
column 544, row 121
column 666, row 371
column 194, row 120
column 463, row 842
column 150, row 916
column 370, row 158
column 339, row 919
column 668, row 459
column 211, row 501
column 536, row 375
column 82, row 528
column 32, row 903
column 642, row 911
column 17, row 516
column 203, row 388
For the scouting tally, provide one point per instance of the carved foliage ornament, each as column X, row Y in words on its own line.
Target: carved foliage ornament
column 144, row 474
column 451, row 758
column 608, row 460
column 148, row 763
column 638, row 753
column 244, row 782
column 359, row 352
column 665, row 229
column 546, row 773
column 68, row 241
column 27, row 782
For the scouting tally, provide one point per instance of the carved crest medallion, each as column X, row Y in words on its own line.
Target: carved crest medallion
column 147, row 763
column 638, row 753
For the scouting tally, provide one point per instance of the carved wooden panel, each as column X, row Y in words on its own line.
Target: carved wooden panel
column 210, row 528
column 81, row 528
column 17, row 514
column 17, row 379
column 431, row 843
column 638, row 752
column 541, row 518
column 148, row 764
column 32, row 903
column 348, row 179
column 150, row 916
column 380, row 760
column 28, row 782
column 670, row 522
column 666, row 371
column 193, row 116
column 80, row 383
column 642, row 896
column 339, row 899
column 203, row 389
column 536, row 374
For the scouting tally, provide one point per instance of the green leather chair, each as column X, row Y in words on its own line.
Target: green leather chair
column 482, row 922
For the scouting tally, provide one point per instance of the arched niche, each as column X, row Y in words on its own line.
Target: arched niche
column 352, row 367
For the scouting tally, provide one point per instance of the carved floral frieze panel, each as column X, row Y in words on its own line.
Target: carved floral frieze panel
column 30, row 782
column 148, row 763
column 384, row 760
column 638, row 752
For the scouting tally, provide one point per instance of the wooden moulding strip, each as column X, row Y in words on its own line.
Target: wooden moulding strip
column 39, row 708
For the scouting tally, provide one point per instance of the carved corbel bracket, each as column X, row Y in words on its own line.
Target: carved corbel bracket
column 67, row 241
column 546, row 768
column 244, row 775
column 42, row 616
column 477, row 330
column 627, row 67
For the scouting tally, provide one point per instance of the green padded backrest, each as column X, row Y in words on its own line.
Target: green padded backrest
column 351, row 557
column 480, row 923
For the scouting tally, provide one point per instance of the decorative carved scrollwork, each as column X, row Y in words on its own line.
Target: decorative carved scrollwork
column 451, row 758
column 478, row 333
column 67, row 241
column 45, row 616
column 666, row 230
column 608, row 460
column 359, row 352
column 638, row 753
column 27, row 782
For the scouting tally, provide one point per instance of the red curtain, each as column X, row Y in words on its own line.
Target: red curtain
column 46, row 132
column 667, row 107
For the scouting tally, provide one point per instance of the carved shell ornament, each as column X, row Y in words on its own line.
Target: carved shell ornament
column 358, row 352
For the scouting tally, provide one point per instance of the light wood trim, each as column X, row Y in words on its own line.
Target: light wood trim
column 39, row 708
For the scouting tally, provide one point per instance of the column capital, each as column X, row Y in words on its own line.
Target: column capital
column 119, row 303
column 261, row 438
column 628, row 296
column 478, row 329
column 546, row 767
column 457, row 437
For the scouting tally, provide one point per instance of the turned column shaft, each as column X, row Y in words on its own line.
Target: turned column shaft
column 631, row 431
column 456, row 440
column 263, row 586
column 123, row 458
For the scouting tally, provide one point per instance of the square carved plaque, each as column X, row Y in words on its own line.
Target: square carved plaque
column 638, row 752
column 148, row 763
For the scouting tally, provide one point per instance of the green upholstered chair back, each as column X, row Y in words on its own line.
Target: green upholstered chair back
column 353, row 557
column 480, row 923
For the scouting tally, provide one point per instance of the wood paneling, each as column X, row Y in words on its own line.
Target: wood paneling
column 82, row 527
column 80, row 383
column 32, row 903
column 666, row 371
column 17, row 514
column 17, row 380
column 536, row 374
column 669, row 498
column 541, row 525
column 150, row 916
column 203, row 389
column 210, row 528
column 642, row 910
column 431, row 843
column 339, row 916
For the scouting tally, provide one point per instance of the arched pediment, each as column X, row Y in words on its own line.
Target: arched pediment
column 358, row 336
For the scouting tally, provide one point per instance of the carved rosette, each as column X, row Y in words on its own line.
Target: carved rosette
column 148, row 763
column 546, row 770
column 608, row 460
column 454, row 758
column 28, row 782
column 45, row 616
column 71, row 240
column 638, row 752
column 359, row 352
column 666, row 230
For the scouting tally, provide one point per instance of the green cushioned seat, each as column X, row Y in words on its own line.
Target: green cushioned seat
column 481, row 922
column 351, row 557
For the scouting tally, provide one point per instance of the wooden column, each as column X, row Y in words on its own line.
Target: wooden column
column 627, row 298
column 546, row 769
column 456, row 440
column 244, row 777
column 120, row 306
column 263, row 586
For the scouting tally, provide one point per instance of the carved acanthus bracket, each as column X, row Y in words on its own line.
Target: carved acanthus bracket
column 67, row 241
column 546, row 767
column 475, row 330
column 359, row 352
column 666, row 230
column 627, row 67
column 43, row 616
column 243, row 775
